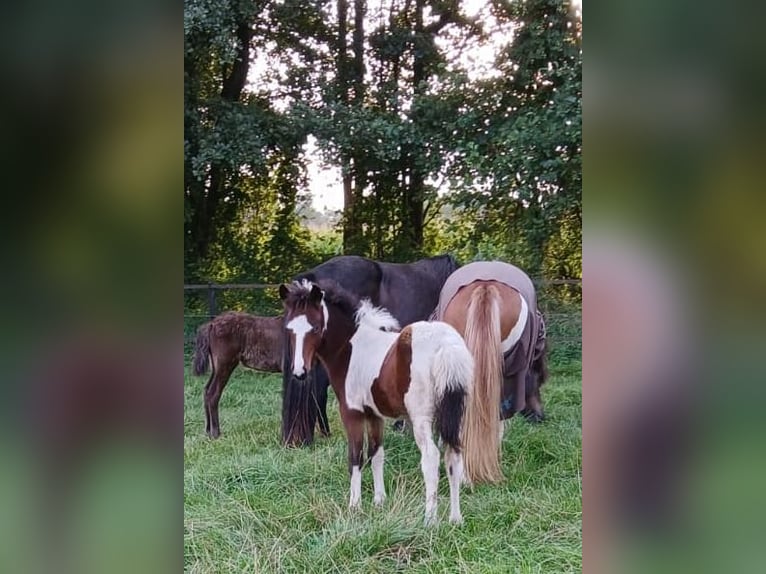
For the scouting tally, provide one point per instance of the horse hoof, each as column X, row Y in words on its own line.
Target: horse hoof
column 456, row 519
column 214, row 434
column 534, row 417
column 379, row 500
column 429, row 521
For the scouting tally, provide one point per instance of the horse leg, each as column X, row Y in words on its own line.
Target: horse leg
column 534, row 409
column 399, row 425
column 207, row 400
column 353, row 421
column 376, row 456
column 453, row 462
column 322, row 381
column 429, row 463
column 519, row 384
column 213, row 395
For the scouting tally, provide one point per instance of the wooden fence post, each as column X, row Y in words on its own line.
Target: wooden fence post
column 211, row 306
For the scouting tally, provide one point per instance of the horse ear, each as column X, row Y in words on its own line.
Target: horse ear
column 283, row 291
column 316, row 295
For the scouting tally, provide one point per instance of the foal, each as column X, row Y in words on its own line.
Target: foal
column 233, row 338
column 423, row 372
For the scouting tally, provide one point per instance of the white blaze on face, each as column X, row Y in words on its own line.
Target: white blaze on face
column 299, row 326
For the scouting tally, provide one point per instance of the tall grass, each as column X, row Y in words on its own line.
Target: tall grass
column 253, row 506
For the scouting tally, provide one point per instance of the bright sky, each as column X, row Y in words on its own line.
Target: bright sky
column 325, row 184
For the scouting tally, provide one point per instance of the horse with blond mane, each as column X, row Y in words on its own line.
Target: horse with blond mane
column 493, row 305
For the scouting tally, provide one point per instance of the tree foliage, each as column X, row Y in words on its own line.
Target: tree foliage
column 434, row 155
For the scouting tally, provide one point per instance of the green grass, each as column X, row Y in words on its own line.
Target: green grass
column 252, row 506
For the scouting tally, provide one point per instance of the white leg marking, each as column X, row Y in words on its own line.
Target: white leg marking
column 500, row 431
column 377, row 476
column 299, row 326
column 454, row 464
column 515, row 334
column 429, row 463
column 356, row 488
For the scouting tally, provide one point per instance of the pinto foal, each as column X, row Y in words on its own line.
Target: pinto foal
column 424, row 372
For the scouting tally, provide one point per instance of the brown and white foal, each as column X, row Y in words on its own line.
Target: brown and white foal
column 424, row 372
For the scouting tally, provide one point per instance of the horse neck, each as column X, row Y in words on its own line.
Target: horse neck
column 439, row 267
column 335, row 351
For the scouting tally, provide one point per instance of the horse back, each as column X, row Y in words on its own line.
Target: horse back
column 254, row 341
column 355, row 274
column 411, row 291
column 508, row 301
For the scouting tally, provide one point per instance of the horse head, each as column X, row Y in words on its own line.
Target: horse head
column 306, row 319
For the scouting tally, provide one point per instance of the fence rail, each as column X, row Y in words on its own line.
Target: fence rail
column 563, row 322
column 212, row 288
column 219, row 286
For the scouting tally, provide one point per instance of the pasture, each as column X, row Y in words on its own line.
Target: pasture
column 251, row 505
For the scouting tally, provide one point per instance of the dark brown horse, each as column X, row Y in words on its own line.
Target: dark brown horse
column 409, row 291
column 232, row 339
column 423, row 372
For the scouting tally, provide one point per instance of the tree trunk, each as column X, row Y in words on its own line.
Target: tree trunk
column 341, row 64
column 414, row 197
column 359, row 172
column 206, row 194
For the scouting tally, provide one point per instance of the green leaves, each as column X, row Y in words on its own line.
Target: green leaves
column 517, row 165
column 405, row 117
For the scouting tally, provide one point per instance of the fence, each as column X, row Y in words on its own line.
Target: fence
column 560, row 301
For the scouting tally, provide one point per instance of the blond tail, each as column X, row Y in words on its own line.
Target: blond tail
column 481, row 443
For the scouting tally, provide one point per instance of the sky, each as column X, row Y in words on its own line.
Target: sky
column 325, row 184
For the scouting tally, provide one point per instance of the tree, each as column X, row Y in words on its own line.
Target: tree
column 239, row 141
column 387, row 91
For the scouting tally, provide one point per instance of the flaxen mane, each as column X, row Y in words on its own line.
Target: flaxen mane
column 376, row 317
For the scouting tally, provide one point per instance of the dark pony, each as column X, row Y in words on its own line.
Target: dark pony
column 409, row 291
column 225, row 342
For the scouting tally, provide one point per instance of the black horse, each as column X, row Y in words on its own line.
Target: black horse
column 410, row 292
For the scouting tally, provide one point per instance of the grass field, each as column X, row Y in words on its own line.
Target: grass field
column 253, row 506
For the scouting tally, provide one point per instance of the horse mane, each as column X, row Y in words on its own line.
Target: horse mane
column 334, row 294
column 443, row 265
column 376, row 317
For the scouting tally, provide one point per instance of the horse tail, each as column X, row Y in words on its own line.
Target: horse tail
column 453, row 373
column 202, row 350
column 481, row 438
